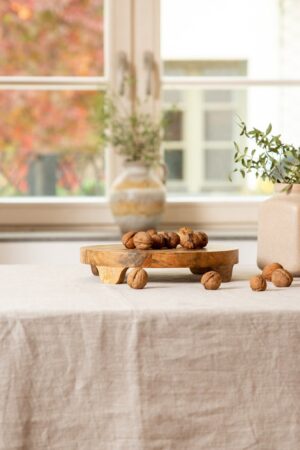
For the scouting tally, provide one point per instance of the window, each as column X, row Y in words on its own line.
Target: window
column 221, row 68
column 209, row 66
column 48, row 134
column 203, row 123
column 174, row 161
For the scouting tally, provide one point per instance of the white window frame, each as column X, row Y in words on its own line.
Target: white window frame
column 39, row 213
column 134, row 29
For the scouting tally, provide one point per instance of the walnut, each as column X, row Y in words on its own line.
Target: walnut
column 94, row 270
column 269, row 269
column 152, row 231
column 211, row 280
column 142, row 240
column 203, row 238
column 173, row 240
column 258, row 283
column 127, row 239
column 158, row 241
column 282, row 278
column 188, row 240
column 185, row 230
column 192, row 239
column 165, row 237
column 137, row 278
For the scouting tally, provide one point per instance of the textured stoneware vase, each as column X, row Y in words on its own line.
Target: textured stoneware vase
column 279, row 230
column 137, row 198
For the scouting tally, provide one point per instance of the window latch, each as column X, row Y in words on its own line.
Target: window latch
column 123, row 68
column 149, row 67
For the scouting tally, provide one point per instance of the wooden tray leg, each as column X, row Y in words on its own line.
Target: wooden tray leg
column 225, row 272
column 112, row 275
column 199, row 270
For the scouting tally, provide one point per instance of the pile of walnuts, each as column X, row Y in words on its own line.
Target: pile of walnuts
column 273, row 272
column 156, row 240
column 152, row 239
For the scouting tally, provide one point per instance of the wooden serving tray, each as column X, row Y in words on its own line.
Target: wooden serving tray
column 111, row 262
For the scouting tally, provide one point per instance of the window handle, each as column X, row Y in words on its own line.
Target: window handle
column 123, row 68
column 149, row 67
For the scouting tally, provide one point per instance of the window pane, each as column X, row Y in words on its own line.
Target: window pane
column 49, row 143
column 174, row 162
column 218, row 164
column 205, row 68
column 172, row 97
column 46, row 37
column 173, row 130
column 220, row 96
column 224, row 38
column 218, row 125
column 208, row 134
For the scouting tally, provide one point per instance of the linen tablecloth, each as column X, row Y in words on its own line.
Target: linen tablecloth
column 88, row 366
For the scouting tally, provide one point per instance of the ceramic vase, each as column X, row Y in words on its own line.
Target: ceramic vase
column 279, row 229
column 137, row 198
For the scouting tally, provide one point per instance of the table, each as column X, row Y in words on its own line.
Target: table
column 90, row 366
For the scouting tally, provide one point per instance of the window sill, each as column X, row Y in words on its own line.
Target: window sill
column 220, row 216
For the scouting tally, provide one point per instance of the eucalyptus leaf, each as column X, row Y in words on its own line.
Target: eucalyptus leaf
column 274, row 160
column 269, row 129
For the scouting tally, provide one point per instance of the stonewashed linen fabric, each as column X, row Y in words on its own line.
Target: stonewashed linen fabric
column 87, row 366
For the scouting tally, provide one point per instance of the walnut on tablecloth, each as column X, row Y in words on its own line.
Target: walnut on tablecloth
column 258, row 283
column 282, row 278
column 137, row 278
column 211, row 280
column 269, row 269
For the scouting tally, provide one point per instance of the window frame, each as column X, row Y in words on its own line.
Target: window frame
column 127, row 31
column 42, row 212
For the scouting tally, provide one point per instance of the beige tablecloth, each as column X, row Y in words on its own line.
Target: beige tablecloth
column 88, row 366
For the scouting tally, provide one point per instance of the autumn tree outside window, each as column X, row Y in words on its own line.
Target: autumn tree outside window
column 51, row 134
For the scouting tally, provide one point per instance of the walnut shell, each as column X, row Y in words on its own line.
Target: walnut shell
column 269, row 269
column 158, row 241
column 258, row 283
column 142, row 240
column 197, row 240
column 211, row 280
column 202, row 237
column 152, row 231
column 165, row 237
column 282, row 278
column 192, row 240
column 94, row 270
column 185, row 230
column 137, row 278
column 188, row 240
column 173, row 240
column 127, row 239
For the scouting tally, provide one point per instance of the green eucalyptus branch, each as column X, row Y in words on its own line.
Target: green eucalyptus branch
column 271, row 159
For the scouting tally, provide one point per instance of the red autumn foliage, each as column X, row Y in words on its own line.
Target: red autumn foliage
column 50, row 38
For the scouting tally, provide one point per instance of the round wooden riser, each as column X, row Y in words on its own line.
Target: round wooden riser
column 111, row 262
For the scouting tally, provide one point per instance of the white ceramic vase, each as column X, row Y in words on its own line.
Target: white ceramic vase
column 137, row 198
column 279, row 229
